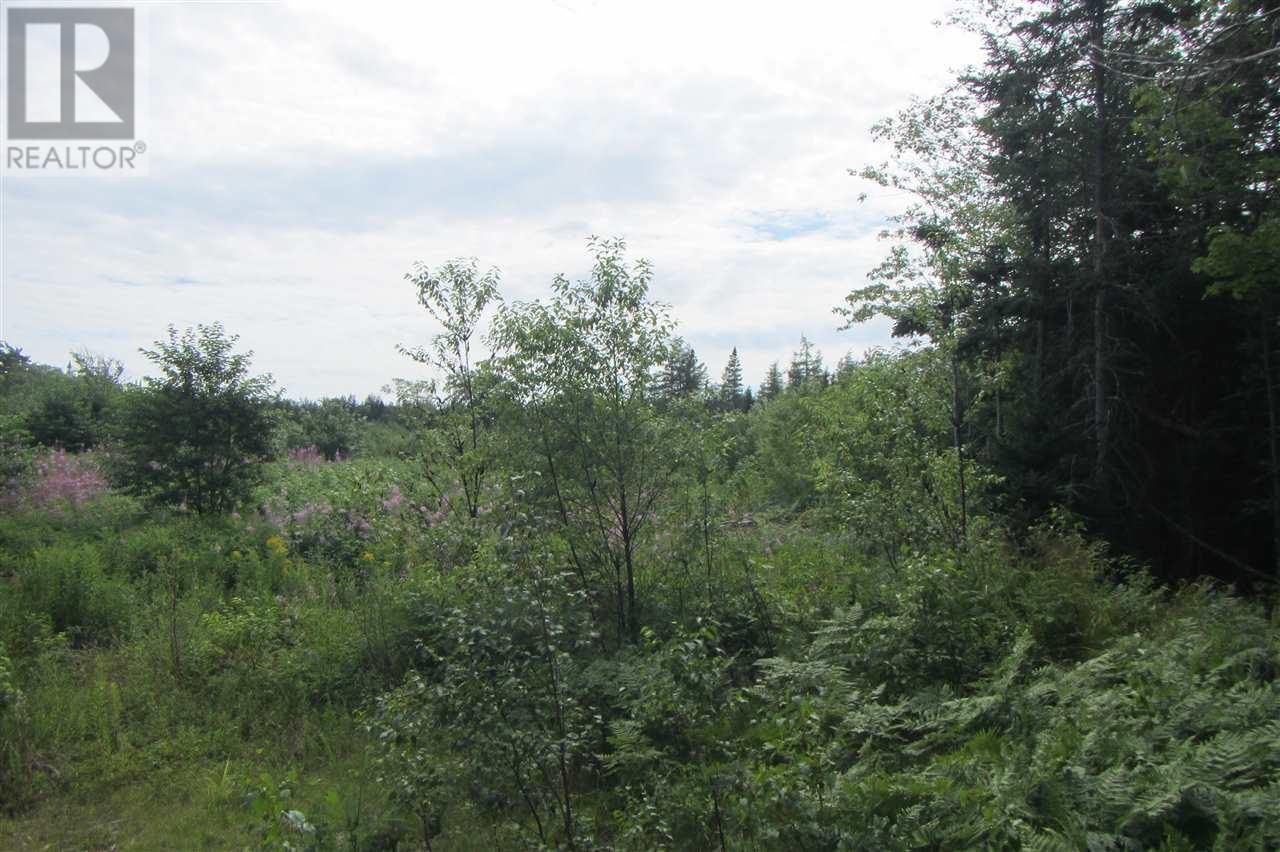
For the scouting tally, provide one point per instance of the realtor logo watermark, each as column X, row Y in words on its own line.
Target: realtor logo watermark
column 71, row 91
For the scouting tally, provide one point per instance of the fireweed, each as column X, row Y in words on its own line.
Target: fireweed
column 59, row 480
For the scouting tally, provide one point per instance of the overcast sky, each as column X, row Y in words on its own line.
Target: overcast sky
column 303, row 156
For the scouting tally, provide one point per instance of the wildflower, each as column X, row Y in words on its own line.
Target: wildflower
column 63, row 479
column 306, row 455
column 394, row 501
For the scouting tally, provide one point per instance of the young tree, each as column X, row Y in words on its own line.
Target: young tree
column 195, row 434
column 456, row 296
column 333, row 426
column 584, row 368
column 934, row 282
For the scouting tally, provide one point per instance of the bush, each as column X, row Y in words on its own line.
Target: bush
column 15, row 780
column 501, row 715
column 194, row 437
column 16, row 457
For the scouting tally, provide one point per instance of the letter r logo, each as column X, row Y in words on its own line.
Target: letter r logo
column 70, row 73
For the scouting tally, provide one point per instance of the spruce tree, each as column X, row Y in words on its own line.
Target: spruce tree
column 773, row 383
column 731, row 383
column 682, row 376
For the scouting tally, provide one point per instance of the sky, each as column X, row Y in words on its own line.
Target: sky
column 302, row 156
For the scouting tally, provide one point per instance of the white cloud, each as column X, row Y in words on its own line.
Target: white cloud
column 305, row 155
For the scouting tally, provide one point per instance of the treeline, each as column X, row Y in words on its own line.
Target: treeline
column 1094, row 245
column 82, row 406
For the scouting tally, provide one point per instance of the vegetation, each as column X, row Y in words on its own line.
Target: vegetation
column 1010, row 585
column 193, row 436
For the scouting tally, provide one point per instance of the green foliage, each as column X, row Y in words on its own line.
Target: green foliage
column 80, row 409
column 886, row 459
column 574, row 596
column 194, row 436
column 334, row 427
column 772, row 385
column 460, row 406
column 683, row 376
column 16, row 454
column 806, row 372
column 732, row 397
column 67, row 586
column 15, row 769
column 267, row 662
column 583, row 370
column 1243, row 265
column 499, row 713
column 784, row 430
column 281, row 827
column 671, row 748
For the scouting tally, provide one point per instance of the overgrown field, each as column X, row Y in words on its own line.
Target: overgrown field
column 348, row 669
column 1008, row 585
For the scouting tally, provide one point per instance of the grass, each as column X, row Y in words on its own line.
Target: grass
column 193, row 804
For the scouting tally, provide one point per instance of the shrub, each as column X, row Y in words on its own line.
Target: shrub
column 14, row 765
column 501, row 708
column 194, row 436
column 16, row 457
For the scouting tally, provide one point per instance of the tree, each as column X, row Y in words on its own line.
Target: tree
column 77, row 409
column 731, row 397
column 333, row 426
column 1209, row 112
column 456, row 296
column 1069, row 194
column 15, row 372
column 806, row 371
column 584, row 369
column 773, row 383
column 195, row 435
column 683, row 376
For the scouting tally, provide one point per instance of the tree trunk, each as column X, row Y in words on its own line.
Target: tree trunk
column 957, row 419
column 1273, row 440
column 1101, row 413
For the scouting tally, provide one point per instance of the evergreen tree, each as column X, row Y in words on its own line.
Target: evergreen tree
column 1070, row 193
column 845, row 365
column 731, row 383
column 773, row 383
column 806, row 370
column 683, row 376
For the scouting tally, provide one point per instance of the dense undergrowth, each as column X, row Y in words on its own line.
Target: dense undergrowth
column 321, row 674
